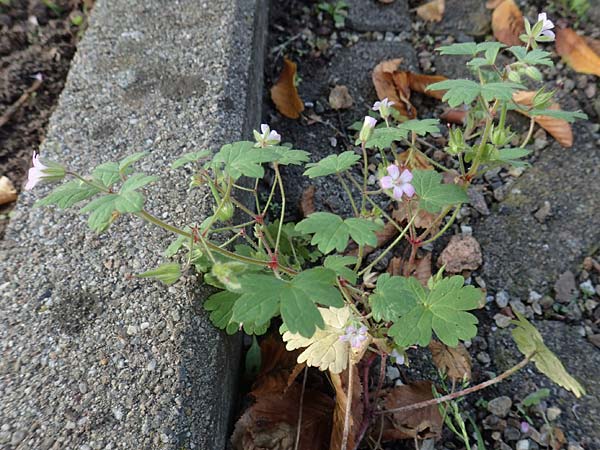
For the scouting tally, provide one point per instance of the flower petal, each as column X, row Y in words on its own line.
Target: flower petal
column 393, row 171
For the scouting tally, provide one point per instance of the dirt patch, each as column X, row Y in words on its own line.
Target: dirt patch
column 36, row 37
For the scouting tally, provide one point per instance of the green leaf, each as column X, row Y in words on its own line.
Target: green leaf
column 339, row 265
column 188, row 158
column 168, row 273
column 332, row 164
column 464, row 48
column 68, row 194
column 129, row 202
column 569, row 116
column 106, row 174
column 220, row 306
column 101, row 212
column 129, row 160
column 501, row 90
column 458, row 91
column 433, row 195
column 535, row 398
column 242, row 158
column 394, row 297
column 442, row 311
column 288, row 156
column 136, row 181
column 530, row 342
column 264, row 296
column 330, row 232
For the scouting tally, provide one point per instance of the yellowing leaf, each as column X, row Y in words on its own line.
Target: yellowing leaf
column 507, row 22
column 576, row 52
column 284, row 93
column 324, row 349
column 454, row 361
column 8, row 192
column 530, row 341
column 559, row 129
column 432, row 11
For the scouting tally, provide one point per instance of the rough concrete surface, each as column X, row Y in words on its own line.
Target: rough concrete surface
column 89, row 357
column 522, row 254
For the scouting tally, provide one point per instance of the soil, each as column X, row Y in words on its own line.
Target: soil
column 326, row 57
column 36, row 37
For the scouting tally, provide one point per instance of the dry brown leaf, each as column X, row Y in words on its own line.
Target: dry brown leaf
column 463, row 252
column 284, row 93
column 340, row 384
column 559, row 129
column 8, row 193
column 507, row 22
column 576, row 52
column 454, row 361
column 421, row 423
column 419, row 82
column 340, row 98
column 432, row 11
column 307, row 201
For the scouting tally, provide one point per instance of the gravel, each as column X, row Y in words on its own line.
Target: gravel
column 92, row 358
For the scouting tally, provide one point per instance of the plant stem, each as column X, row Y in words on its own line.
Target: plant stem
column 391, row 246
column 452, row 396
column 349, row 193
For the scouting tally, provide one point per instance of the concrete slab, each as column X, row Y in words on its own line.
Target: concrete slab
column 91, row 359
column 372, row 15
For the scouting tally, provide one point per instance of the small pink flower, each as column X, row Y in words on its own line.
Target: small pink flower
column 354, row 336
column 399, row 182
column 36, row 173
column 547, row 25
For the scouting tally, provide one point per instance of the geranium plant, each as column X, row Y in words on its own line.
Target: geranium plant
column 314, row 274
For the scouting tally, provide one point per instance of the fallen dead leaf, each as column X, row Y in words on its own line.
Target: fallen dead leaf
column 307, row 201
column 576, row 52
column 507, row 22
column 8, row 193
column 432, row 11
column 340, row 98
column 461, row 253
column 454, row 361
column 284, row 93
column 421, row 423
column 559, row 129
column 340, row 384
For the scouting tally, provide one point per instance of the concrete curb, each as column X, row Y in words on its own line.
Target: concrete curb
column 91, row 359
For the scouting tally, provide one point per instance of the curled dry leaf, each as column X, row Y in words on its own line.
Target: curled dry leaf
column 421, row 423
column 307, row 201
column 559, row 129
column 461, row 253
column 576, row 52
column 454, row 361
column 340, row 98
column 8, row 193
column 507, row 22
column 432, row 11
column 340, row 384
column 284, row 93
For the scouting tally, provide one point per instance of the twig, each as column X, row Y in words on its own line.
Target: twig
column 21, row 101
column 445, row 398
column 300, row 409
column 348, row 404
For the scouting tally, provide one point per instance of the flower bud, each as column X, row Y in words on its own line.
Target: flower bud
column 367, row 129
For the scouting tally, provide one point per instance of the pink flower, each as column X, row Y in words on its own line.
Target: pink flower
column 547, row 25
column 268, row 136
column 354, row 336
column 36, row 173
column 399, row 182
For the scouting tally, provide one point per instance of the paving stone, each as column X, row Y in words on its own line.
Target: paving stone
column 148, row 76
column 372, row 15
